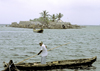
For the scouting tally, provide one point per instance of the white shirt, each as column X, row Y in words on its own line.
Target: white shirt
column 44, row 50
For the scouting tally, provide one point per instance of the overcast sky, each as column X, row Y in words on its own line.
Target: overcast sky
column 80, row 12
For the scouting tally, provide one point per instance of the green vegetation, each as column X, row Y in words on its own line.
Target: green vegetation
column 59, row 16
column 53, row 17
column 46, row 21
column 44, row 14
column 46, row 18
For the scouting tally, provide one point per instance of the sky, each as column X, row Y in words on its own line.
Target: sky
column 80, row 12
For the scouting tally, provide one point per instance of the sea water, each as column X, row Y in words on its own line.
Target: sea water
column 18, row 44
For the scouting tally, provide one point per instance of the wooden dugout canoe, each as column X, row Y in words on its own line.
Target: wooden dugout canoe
column 64, row 64
column 38, row 31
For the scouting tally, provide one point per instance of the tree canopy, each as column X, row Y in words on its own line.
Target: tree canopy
column 59, row 16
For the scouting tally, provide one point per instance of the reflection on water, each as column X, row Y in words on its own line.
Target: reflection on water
column 20, row 43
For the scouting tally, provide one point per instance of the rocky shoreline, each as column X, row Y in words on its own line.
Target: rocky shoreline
column 51, row 25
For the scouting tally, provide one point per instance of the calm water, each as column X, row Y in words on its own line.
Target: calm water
column 20, row 43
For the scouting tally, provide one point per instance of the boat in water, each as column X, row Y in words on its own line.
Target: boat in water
column 38, row 30
column 63, row 64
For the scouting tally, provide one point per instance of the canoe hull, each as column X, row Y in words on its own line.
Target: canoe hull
column 59, row 64
column 64, row 64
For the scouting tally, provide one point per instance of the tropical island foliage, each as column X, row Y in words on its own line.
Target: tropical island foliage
column 46, row 21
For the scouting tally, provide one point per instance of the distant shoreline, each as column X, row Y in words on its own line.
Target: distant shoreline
column 4, row 24
column 7, row 25
column 79, row 25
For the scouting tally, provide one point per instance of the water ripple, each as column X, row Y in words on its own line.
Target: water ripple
column 19, row 44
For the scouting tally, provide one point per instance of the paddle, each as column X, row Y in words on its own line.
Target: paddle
column 48, row 50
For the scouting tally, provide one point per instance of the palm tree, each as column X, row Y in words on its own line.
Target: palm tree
column 53, row 17
column 45, row 19
column 59, row 16
column 44, row 14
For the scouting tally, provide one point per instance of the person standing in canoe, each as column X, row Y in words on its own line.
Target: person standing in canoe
column 43, row 52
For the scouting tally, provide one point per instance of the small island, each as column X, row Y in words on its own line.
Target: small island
column 46, row 21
